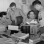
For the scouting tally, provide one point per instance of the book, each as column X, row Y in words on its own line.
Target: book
column 20, row 35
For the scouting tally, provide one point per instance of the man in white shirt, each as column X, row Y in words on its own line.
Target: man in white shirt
column 38, row 6
column 41, row 18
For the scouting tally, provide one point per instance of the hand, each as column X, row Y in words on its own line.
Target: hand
column 21, row 24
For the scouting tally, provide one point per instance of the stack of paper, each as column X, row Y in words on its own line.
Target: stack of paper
column 28, row 22
column 11, row 27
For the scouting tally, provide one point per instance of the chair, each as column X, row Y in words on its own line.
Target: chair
column 19, row 20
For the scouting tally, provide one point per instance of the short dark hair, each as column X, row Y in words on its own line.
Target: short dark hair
column 13, row 4
column 3, row 13
column 29, row 13
column 36, row 2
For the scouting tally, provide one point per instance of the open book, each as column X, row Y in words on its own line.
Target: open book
column 21, row 35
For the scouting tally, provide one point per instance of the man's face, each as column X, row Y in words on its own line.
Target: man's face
column 13, row 7
column 32, row 15
column 38, row 7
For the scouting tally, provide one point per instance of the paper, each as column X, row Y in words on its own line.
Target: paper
column 27, row 22
column 33, row 22
column 11, row 27
column 30, row 40
column 22, row 43
column 42, row 34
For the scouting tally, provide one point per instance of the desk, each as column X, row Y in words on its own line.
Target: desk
column 18, row 37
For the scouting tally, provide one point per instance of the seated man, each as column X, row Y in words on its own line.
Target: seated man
column 4, row 20
column 38, row 6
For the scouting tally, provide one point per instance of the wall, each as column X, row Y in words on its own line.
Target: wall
column 4, row 4
column 42, row 1
column 24, row 7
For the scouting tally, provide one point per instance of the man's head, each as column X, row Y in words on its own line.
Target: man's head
column 31, row 14
column 12, row 5
column 37, row 5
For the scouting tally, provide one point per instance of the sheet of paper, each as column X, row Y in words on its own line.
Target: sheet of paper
column 33, row 21
column 11, row 27
column 22, row 43
column 27, row 22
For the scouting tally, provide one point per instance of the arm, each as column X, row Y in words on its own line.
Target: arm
column 8, row 18
column 23, row 15
column 6, row 21
column 39, row 16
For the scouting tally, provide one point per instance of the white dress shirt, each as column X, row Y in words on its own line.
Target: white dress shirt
column 41, row 17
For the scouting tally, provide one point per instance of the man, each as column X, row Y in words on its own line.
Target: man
column 34, row 8
column 4, row 20
column 36, row 11
column 38, row 6
column 14, row 12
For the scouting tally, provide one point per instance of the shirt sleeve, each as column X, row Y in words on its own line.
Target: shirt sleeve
column 8, row 18
column 40, row 16
column 23, row 15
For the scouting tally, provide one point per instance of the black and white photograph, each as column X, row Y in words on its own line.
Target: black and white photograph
column 21, row 21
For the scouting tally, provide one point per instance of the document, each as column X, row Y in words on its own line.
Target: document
column 11, row 27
